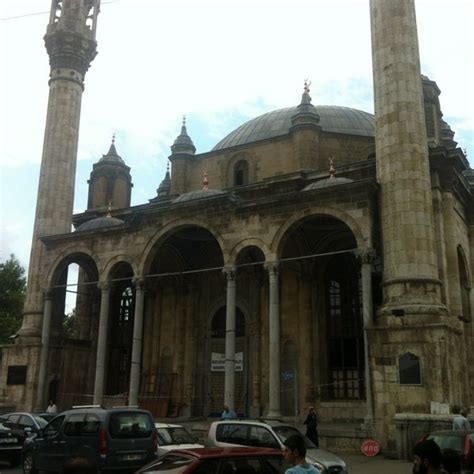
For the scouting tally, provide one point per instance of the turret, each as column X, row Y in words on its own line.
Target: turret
column 182, row 153
column 110, row 182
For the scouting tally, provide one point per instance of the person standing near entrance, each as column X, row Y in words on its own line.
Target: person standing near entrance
column 228, row 414
column 311, row 423
column 52, row 408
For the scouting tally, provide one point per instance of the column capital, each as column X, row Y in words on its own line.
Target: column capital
column 48, row 294
column 104, row 285
column 365, row 255
column 139, row 283
column 229, row 272
column 272, row 267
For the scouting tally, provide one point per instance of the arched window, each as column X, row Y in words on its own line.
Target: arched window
column 241, row 173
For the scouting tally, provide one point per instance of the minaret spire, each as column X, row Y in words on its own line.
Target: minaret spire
column 70, row 42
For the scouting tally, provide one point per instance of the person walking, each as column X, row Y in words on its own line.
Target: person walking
column 295, row 454
column 311, row 423
column 460, row 421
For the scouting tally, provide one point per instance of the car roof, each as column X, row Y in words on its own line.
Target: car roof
column 255, row 422
column 167, row 425
column 240, row 451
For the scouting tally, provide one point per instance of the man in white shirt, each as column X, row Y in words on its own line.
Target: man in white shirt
column 460, row 421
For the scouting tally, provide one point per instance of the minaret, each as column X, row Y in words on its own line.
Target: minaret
column 71, row 45
column 411, row 282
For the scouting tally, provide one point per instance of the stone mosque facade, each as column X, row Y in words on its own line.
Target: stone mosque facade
column 316, row 255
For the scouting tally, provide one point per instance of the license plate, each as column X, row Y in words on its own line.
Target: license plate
column 132, row 457
column 8, row 440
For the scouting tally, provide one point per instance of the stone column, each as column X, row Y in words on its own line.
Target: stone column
column 47, row 312
column 274, row 401
column 410, row 264
column 137, row 342
column 70, row 42
column 229, row 381
column 366, row 258
column 101, row 342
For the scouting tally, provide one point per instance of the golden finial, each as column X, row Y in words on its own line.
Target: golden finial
column 113, row 138
column 109, row 209
column 306, row 85
column 184, row 119
column 332, row 170
column 205, row 182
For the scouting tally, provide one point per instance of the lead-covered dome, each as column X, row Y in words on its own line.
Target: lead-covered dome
column 333, row 119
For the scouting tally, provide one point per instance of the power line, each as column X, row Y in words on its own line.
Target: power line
column 40, row 13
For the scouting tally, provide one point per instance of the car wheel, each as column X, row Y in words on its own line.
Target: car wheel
column 29, row 464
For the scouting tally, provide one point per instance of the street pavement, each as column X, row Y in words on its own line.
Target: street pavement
column 360, row 464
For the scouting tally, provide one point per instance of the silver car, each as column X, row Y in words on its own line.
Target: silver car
column 271, row 434
column 174, row 437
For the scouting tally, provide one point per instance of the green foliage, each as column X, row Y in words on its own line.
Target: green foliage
column 68, row 323
column 12, row 297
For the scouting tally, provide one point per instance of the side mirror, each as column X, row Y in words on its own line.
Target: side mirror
column 28, row 430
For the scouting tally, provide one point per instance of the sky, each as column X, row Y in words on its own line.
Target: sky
column 220, row 63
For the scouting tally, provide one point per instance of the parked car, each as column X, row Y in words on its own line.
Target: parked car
column 116, row 439
column 219, row 461
column 10, row 446
column 23, row 424
column 458, row 441
column 271, row 434
column 174, row 437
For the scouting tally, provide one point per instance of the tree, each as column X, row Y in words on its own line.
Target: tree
column 12, row 297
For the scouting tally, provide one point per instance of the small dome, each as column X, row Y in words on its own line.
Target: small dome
column 332, row 119
column 112, row 156
column 200, row 194
column 326, row 183
column 100, row 223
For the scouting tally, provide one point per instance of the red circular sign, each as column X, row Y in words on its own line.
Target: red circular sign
column 370, row 447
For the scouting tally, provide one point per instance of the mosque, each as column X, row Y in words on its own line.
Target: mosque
column 316, row 255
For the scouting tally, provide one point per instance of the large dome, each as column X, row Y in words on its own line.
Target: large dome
column 274, row 124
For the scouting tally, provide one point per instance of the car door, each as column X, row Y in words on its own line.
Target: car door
column 262, row 437
column 49, row 449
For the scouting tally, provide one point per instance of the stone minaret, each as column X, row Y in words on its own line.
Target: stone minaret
column 71, row 45
column 410, row 269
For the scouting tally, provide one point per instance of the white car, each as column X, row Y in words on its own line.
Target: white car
column 174, row 437
column 271, row 434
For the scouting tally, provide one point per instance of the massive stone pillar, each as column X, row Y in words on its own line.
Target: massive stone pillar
column 410, row 266
column 70, row 42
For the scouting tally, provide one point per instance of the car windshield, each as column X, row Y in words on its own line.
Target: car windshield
column 173, row 435
column 283, row 432
column 447, row 441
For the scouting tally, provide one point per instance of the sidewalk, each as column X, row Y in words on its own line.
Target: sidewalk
column 360, row 464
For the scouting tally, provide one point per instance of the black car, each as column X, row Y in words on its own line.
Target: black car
column 23, row 424
column 115, row 439
column 10, row 446
column 456, row 443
